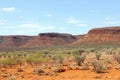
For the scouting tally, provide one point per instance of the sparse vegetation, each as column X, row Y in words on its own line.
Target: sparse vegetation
column 57, row 69
column 98, row 55
column 11, row 77
column 51, row 61
column 117, row 56
column 98, row 66
column 7, row 62
column 80, row 57
column 38, row 71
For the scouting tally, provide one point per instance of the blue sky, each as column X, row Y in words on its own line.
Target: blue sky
column 30, row 17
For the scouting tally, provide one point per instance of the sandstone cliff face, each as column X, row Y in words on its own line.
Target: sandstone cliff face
column 13, row 41
column 109, row 35
column 43, row 39
column 50, row 39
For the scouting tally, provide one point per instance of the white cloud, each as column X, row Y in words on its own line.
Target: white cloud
column 26, row 29
column 49, row 15
column 47, row 28
column 20, row 17
column 107, row 18
column 72, row 20
column 2, row 22
column 111, row 22
column 29, row 25
column 9, row 9
column 82, row 24
column 35, row 26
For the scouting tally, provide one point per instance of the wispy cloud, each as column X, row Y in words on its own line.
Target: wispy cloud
column 9, row 9
column 2, row 22
column 82, row 24
column 35, row 26
column 108, row 18
column 74, row 21
column 112, row 22
column 21, row 17
column 27, row 29
column 29, row 25
column 49, row 15
column 47, row 28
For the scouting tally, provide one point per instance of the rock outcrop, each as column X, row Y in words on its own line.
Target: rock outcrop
column 50, row 39
column 43, row 39
column 13, row 41
column 108, row 35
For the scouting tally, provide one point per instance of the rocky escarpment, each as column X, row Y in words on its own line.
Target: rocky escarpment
column 110, row 35
column 43, row 39
column 13, row 41
column 50, row 39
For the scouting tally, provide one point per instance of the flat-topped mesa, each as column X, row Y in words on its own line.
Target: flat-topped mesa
column 106, row 30
column 107, row 35
column 13, row 41
column 43, row 39
column 57, row 35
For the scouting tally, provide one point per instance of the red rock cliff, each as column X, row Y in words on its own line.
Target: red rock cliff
column 109, row 35
column 50, row 39
column 43, row 39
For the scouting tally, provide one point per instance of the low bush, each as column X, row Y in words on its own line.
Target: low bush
column 36, row 59
column 38, row 71
column 7, row 62
column 98, row 66
column 117, row 56
column 98, row 55
column 80, row 57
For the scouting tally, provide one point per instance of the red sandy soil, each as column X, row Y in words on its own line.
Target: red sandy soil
column 112, row 74
column 74, row 74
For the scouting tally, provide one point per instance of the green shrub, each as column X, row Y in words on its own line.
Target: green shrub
column 36, row 59
column 117, row 56
column 98, row 66
column 98, row 55
column 7, row 62
column 80, row 57
column 38, row 71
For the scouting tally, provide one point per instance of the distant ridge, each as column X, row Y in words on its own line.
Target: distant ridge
column 105, row 35
column 43, row 39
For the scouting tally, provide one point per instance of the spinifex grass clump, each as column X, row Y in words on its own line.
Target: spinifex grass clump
column 35, row 59
column 98, row 55
column 59, row 59
column 98, row 66
column 117, row 56
column 7, row 62
column 38, row 71
column 80, row 57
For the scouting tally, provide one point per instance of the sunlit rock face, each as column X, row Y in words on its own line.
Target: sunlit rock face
column 110, row 35
column 43, row 39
